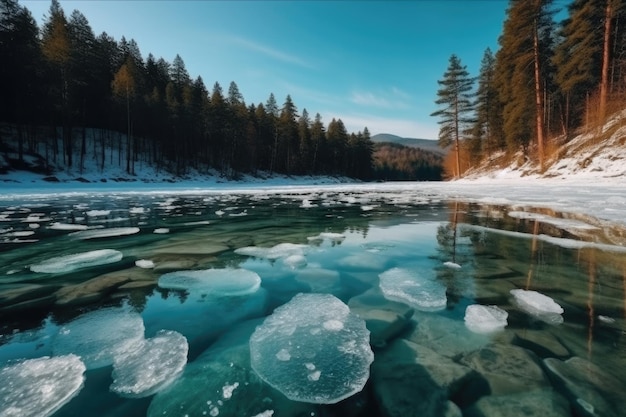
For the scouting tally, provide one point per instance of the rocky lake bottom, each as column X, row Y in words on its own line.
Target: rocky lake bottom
column 324, row 303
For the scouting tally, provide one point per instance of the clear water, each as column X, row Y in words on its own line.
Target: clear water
column 581, row 267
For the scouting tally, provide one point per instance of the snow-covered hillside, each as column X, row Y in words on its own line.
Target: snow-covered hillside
column 599, row 154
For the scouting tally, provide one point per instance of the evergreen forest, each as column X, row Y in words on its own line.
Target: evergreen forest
column 560, row 70
column 67, row 92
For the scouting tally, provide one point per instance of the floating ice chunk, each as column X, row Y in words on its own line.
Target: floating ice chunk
column 39, row 387
column 220, row 213
column 606, row 319
column 266, row 413
column 300, row 330
column 538, row 305
column 138, row 210
column 227, row 390
column 452, row 265
column 485, row 319
column 295, row 261
column 282, row 250
column 97, row 337
column 76, row 261
column 415, row 288
column 149, row 365
column 102, row 233
column 96, row 213
column 333, row 237
column 66, row 226
column 226, row 282
column 144, row 263
column 20, row 233
column 161, row 230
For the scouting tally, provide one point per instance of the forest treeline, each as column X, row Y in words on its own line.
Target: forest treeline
column 395, row 162
column 547, row 81
column 60, row 81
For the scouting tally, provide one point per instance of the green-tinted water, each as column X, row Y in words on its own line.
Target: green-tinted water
column 406, row 264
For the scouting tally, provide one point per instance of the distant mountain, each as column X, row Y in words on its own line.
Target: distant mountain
column 425, row 144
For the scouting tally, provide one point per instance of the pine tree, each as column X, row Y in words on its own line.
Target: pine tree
column 123, row 86
column 578, row 59
column 486, row 131
column 55, row 45
column 455, row 96
column 520, row 76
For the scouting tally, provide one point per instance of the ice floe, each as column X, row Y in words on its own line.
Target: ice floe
column 97, row 337
column 313, row 349
column 149, row 365
column 103, row 233
column 96, row 213
column 538, row 305
column 418, row 288
column 68, row 263
column 39, row 387
column 485, row 319
column 295, row 261
column 161, row 230
column 333, row 237
column 282, row 250
column 144, row 263
column 452, row 265
column 221, row 282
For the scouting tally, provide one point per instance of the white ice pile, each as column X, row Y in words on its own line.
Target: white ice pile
column 144, row 263
column 485, row 319
column 538, row 305
column 280, row 251
column 69, row 263
column 220, row 282
column 452, row 265
column 333, row 237
column 417, row 287
column 313, row 349
column 67, row 226
column 39, row 387
column 97, row 337
column 104, row 233
column 149, row 365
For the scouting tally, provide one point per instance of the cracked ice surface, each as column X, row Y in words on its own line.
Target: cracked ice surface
column 39, row 387
column 312, row 349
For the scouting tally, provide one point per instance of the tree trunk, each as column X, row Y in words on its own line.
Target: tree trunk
column 604, row 81
column 538, row 100
column 456, row 137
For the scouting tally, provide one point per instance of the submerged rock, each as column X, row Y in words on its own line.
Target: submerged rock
column 537, row 403
column 508, row 369
column 409, row 379
column 39, row 387
column 591, row 390
column 313, row 349
column 543, row 343
column 384, row 319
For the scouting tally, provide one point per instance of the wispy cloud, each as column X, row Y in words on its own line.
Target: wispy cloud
column 268, row 51
column 392, row 98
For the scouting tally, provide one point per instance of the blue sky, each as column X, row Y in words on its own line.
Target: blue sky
column 370, row 63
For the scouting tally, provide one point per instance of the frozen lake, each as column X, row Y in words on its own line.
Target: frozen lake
column 391, row 300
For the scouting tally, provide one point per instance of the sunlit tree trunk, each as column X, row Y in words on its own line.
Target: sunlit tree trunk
column 604, row 81
column 538, row 99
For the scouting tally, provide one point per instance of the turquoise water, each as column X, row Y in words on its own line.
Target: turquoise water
column 407, row 266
